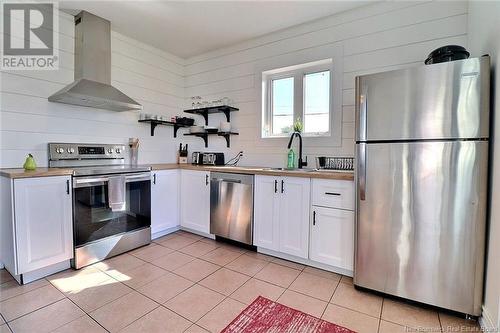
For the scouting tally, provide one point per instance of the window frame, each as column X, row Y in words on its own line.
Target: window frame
column 298, row 72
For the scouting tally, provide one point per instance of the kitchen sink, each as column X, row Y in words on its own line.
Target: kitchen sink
column 293, row 169
column 306, row 170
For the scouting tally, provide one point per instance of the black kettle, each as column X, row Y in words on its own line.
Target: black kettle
column 447, row 53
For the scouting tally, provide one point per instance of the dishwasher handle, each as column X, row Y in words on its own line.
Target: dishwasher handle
column 236, row 181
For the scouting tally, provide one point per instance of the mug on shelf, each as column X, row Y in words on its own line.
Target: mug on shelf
column 225, row 126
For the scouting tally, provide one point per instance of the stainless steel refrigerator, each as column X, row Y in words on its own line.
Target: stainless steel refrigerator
column 421, row 182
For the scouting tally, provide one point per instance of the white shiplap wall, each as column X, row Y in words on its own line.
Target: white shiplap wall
column 28, row 121
column 375, row 38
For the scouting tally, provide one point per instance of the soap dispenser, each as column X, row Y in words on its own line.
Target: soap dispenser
column 291, row 159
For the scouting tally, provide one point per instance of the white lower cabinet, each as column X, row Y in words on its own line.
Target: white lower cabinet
column 332, row 223
column 195, row 200
column 266, row 213
column 294, row 211
column 36, row 228
column 43, row 222
column 318, row 231
column 332, row 237
column 281, row 214
column 164, row 201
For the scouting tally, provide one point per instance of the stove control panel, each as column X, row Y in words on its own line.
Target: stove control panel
column 83, row 151
column 86, row 150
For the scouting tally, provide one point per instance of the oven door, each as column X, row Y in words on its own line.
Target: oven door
column 93, row 218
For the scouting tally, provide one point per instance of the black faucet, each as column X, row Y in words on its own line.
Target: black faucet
column 301, row 164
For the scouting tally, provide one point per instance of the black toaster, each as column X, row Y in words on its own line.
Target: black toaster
column 200, row 158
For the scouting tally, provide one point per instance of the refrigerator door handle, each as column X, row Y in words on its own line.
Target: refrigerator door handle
column 361, row 109
column 362, row 170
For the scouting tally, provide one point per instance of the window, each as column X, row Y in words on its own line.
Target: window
column 294, row 93
column 317, row 102
column 282, row 105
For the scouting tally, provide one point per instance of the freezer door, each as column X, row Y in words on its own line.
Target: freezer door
column 447, row 100
column 420, row 221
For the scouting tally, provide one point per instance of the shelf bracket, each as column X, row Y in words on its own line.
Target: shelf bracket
column 226, row 136
column 153, row 126
column 205, row 138
column 205, row 115
column 228, row 140
column 227, row 112
column 176, row 127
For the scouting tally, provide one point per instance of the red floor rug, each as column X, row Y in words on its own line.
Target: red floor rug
column 264, row 315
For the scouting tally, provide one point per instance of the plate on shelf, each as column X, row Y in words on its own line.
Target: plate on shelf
column 196, row 129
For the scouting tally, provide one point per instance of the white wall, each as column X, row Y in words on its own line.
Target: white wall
column 28, row 121
column 484, row 38
column 376, row 38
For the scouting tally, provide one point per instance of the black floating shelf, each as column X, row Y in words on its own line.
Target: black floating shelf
column 204, row 136
column 155, row 123
column 213, row 109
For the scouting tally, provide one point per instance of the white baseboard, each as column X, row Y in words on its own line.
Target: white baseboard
column 199, row 233
column 305, row 261
column 43, row 272
column 486, row 322
column 161, row 233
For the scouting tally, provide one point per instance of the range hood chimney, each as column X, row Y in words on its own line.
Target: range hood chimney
column 92, row 86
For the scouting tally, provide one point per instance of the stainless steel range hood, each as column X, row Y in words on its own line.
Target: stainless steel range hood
column 92, row 86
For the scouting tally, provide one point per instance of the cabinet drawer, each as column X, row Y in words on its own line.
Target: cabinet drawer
column 333, row 193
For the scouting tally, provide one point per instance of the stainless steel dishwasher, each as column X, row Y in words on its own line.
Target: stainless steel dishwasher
column 231, row 206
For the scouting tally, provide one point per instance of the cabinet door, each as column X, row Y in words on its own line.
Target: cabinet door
column 266, row 212
column 44, row 223
column 294, row 216
column 164, row 200
column 195, row 200
column 332, row 237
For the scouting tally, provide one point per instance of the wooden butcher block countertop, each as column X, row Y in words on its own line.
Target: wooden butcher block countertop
column 306, row 173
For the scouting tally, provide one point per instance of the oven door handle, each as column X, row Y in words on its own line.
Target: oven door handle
column 93, row 181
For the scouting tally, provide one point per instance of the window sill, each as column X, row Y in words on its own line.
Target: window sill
column 304, row 135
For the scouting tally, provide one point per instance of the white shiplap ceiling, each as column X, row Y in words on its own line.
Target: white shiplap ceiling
column 189, row 28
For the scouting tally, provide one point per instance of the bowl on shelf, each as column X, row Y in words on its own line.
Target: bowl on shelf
column 196, row 129
column 184, row 121
column 211, row 129
column 225, row 126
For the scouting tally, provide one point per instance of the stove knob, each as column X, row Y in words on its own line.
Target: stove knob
column 110, row 150
column 71, row 150
column 59, row 150
column 118, row 150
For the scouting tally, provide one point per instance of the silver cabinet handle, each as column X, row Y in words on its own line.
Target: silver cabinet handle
column 67, row 186
column 362, row 170
column 332, row 193
column 154, row 178
column 314, row 217
column 275, row 186
column 282, row 186
column 206, row 180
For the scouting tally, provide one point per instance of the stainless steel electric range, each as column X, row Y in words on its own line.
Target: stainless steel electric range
column 111, row 200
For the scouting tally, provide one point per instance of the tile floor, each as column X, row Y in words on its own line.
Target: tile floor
column 186, row 283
